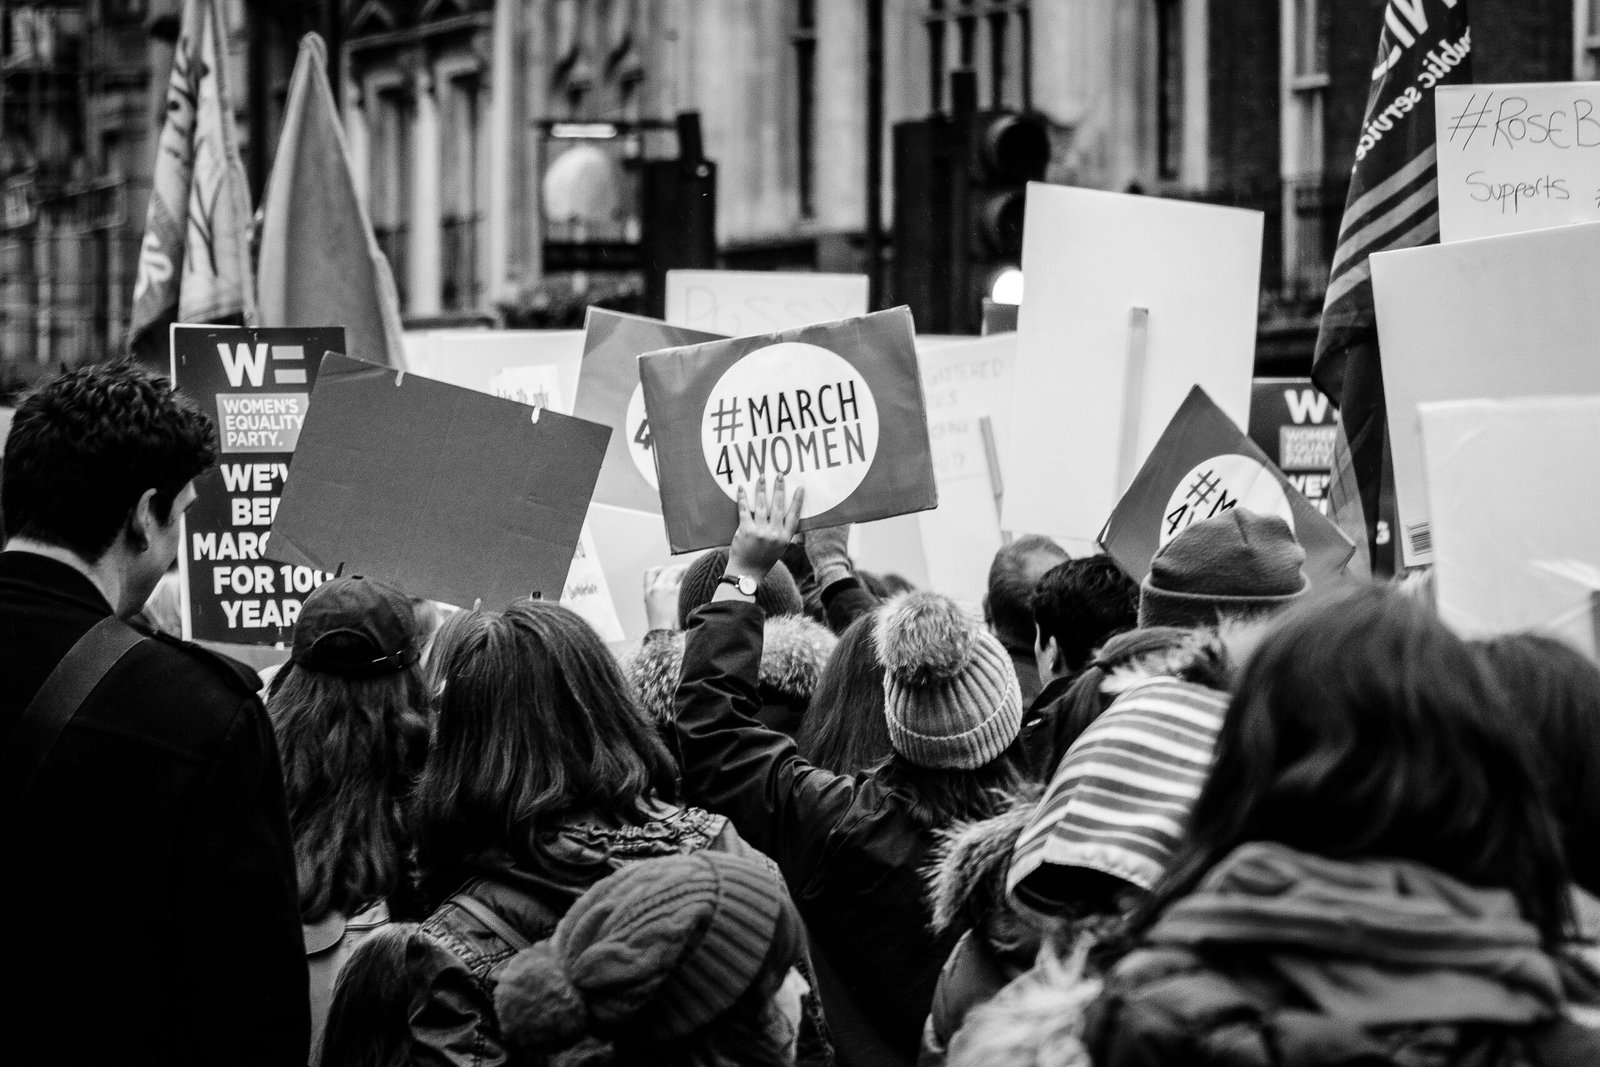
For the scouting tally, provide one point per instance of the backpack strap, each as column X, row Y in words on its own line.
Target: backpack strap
column 34, row 734
column 486, row 915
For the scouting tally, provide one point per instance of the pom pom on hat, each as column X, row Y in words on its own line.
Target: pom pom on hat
column 951, row 696
column 924, row 638
column 537, row 1005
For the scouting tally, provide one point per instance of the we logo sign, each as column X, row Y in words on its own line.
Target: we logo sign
column 244, row 361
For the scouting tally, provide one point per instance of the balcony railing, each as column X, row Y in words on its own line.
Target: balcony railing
column 459, row 282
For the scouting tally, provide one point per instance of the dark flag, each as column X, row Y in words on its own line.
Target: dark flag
column 1393, row 203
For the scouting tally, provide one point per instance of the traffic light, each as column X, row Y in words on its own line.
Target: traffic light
column 960, row 193
column 1005, row 151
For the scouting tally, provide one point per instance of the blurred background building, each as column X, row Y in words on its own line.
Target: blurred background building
column 502, row 145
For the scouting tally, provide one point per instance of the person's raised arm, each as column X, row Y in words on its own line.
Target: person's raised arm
column 731, row 763
column 844, row 598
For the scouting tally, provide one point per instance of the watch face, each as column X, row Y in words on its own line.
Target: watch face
column 747, row 585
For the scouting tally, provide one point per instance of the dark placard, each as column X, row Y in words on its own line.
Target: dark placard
column 836, row 408
column 1202, row 466
column 448, row 493
column 256, row 384
column 1294, row 424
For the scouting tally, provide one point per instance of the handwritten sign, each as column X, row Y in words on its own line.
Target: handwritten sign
column 740, row 303
column 501, row 362
column 1517, row 157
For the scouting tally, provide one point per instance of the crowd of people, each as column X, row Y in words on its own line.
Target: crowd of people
column 1214, row 816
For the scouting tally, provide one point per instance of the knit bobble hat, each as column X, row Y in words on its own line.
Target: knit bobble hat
column 652, row 953
column 950, row 692
column 777, row 594
column 1232, row 563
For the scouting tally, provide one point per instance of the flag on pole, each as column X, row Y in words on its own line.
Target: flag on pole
column 194, row 261
column 320, row 262
column 1393, row 203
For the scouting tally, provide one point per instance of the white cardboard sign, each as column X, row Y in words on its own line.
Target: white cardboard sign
column 737, row 303
column 1091, row 258
column 500, row 362
column 1486, row 319
column 1516, row 514
column 1517, row 157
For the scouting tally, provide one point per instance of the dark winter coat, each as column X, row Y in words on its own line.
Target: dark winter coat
column 149, row 887
column 1281, row 959
column 794, row 650
column 966, row 891
column 454, row 955
column 850, row 848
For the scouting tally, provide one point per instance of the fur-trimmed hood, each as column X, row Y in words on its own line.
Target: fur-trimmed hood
column 966, row 872
column 794, row 651
column 1199, row 656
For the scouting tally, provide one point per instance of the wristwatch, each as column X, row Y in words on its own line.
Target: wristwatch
column 742, row 582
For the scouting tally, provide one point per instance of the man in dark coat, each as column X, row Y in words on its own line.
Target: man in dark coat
column 150, row 882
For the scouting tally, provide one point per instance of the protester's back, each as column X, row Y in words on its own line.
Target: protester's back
column 149, row 880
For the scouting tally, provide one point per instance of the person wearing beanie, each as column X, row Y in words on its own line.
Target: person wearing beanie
column 1230, row 565
column 680, row 960
column 350, row 713
column 794, row 652
column 851, row 848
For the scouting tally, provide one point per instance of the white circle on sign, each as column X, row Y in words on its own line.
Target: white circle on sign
column 794, row 409
column 641, row 446
column 1221, row 484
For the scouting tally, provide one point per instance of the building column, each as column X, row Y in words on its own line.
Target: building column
column 500, row 127
column 359, row 139
column 424, row 238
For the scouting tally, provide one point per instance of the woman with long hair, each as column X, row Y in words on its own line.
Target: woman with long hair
column 544, row 777
column 850, row 847
column 349, row 712
column 845, row 731
column 1370, row 874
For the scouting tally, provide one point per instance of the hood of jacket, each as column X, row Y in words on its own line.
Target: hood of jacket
column 1373, row 942
column 1198, row 656
column 794, row 651
column 966, row 879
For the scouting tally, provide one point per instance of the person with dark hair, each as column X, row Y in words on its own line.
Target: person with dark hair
column 1370, row 873
column 684, row 961
column 1556, row 691
column 795, row 648
column 1008, row 604
column 1077, row 606
column 845, row 730
column 544, row 776
column 850, row 846
column 350, row 712
column 148, row 804
column 369, row 1018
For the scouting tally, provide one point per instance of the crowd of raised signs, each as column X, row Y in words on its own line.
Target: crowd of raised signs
column 818, row 816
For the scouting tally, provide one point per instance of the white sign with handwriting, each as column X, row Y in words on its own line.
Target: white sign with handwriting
column 738, row 303
column 1517, row 157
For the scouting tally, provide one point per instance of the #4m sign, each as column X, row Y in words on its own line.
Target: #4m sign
column 256, row 384
column 837, row 409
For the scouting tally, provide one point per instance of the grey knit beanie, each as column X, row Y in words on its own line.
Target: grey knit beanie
column 1234, row 563
column 950, row 692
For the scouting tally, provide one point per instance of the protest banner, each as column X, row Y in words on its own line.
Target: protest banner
column 1517, row 157
column 738, row 303
column 1488, row 319
column 257, row 384
column 520, row 365
column 836, row 408
column 1293, row 422
column 628, row 543
column 609, row 393
column 1203, row 466
column 1513, row 529
column 1117, row 329
column 448, row 493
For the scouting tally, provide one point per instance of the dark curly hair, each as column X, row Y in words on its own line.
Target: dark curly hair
column 88, row 444
column 1082, row 603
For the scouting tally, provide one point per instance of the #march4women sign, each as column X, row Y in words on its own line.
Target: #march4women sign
column 836, row 408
